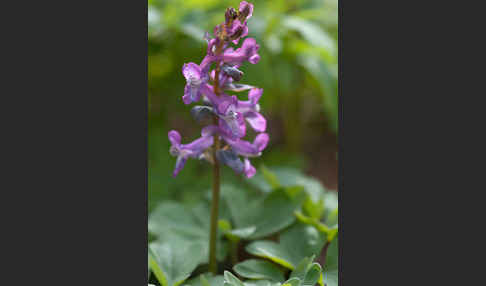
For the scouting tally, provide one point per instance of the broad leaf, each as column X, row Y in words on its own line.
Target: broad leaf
column 231, row 280
column 172, row 263
column 267, row 215
column 297, row 242
column 259, row 269
column 173, row 222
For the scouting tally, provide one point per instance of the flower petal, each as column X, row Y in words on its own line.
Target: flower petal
column 181, row 161
column 261, row 141
column 191, row 71
column 249, row 169
column 198, row 146
column 233, row 125
column 256, row 120
column 243, row 147
column 174, row 137
column 254, row 95
column 191, row 94
column 209, row 130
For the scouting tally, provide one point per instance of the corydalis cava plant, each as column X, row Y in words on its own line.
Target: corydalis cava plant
column 224, row 115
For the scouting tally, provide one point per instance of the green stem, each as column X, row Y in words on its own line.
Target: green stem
column 214, row 210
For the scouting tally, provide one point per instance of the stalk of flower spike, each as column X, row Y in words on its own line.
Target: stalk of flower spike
column 216, row 177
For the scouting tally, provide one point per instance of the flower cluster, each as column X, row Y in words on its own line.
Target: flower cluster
column 224, row 115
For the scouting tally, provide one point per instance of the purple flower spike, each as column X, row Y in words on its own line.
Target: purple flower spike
column 231, row 113
column 184, row 151
column 247, row 52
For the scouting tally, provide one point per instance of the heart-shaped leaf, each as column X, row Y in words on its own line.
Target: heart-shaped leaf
column 297, row 242
column 259, row 269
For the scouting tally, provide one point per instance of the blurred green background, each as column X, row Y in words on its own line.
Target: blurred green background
column 297, row 70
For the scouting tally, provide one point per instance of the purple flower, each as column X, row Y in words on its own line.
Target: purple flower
column 231, row 121
column 195, row 77
column 236, row 31
column 247, row 149
column 184, row 151
column 250, row 110
column 247, row 52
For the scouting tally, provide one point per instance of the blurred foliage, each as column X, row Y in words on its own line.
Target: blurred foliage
column 298, row 71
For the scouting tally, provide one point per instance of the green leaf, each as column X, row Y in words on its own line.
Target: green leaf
column 172, row 263
column 231, row 280
column 308, row 272
column 330, row 232
column 261, row 283
column 201, row 280
column 259, row 269
column 263, row 215
column 292, row 282
column 297, row 242
column 173, row 222
column 331, row 208
column 289, row 177
column 312, row 33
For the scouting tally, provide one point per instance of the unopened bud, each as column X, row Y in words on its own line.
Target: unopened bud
column 233, row 72
column 202, row 114
column 244, row 13
column 230, row 158
column 230, row 15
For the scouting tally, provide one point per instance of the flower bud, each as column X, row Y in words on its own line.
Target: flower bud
column 230, row 15
column 233, row 72
column 231, row 159
column 202, row 114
